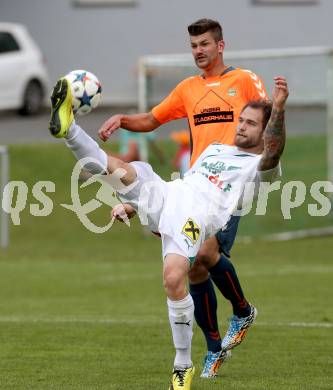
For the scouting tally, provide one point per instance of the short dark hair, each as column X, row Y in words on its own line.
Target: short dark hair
column 203, row 25
column 264, row 105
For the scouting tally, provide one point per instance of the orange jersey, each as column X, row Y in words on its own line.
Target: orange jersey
column 212, row 106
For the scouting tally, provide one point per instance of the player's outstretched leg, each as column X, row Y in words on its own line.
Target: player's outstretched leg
column 62, row 125
column 238, row 328
column 61, row 109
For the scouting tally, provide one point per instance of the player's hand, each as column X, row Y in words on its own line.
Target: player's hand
column 280, row 92
column 121, row 211
column 109, row 127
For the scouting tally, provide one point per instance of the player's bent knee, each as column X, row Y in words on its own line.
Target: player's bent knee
column 207, row 257
column 172, row 281
column 174, row 285
column 198, row 273
column 208, row 253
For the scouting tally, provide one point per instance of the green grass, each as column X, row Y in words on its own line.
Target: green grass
column 86, row 311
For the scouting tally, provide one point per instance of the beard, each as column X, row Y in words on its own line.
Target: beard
column 244, row 142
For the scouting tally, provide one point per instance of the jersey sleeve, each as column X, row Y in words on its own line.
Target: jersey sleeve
column 172, row 107
column 254, row 87
column 270, row 175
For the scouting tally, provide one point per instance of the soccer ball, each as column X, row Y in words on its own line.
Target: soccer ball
column 86, row 91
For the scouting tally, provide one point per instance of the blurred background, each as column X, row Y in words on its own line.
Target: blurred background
column 87, row 311
column 108, row 37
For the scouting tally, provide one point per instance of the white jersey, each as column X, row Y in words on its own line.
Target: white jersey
column 222, row 173
column 190, row 210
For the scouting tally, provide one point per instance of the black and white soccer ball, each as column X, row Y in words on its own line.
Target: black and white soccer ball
column 86, row 91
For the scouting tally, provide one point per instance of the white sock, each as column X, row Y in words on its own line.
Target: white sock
column 181, row 315
column 83, row 146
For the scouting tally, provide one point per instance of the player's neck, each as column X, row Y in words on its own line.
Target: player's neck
column 215, row 71
column 254, row 149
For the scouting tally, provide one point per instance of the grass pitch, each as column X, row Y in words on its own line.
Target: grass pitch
column 86, row 311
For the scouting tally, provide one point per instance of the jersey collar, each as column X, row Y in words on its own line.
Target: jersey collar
column 226, row 70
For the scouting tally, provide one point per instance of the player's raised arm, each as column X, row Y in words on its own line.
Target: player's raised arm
column 136, row 122
column 275, row 132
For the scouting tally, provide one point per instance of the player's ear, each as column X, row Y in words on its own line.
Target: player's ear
column 220, row 45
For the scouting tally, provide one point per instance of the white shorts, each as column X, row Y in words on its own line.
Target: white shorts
column 182, row 220
column 168, row 208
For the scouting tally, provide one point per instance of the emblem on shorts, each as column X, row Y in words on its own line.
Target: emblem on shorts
column 232, row 92
column 191, row 230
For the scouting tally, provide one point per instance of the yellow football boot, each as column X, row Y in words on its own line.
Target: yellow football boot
column 62, row 114
column 182, row 378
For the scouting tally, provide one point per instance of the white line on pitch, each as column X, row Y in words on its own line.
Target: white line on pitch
column 296, row 324
column 69, row 320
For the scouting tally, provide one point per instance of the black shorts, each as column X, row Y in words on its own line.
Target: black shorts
column 227, row 237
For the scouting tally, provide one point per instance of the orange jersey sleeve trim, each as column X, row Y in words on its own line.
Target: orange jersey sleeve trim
column 254, row 87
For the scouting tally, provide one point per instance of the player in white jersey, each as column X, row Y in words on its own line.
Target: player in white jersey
column 186, row 212
column 206, row 197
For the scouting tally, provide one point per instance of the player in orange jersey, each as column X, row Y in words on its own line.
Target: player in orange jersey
column 212, row 102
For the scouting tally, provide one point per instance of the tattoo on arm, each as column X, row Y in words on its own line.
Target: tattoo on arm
column 274, row 140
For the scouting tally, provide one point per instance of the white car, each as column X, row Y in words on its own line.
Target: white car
column 24, row 79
